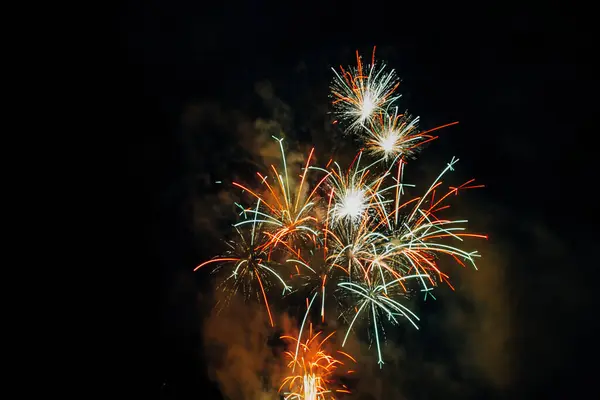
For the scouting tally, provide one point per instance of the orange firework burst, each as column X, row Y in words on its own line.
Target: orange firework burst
column 286, row 212
column 312, row 369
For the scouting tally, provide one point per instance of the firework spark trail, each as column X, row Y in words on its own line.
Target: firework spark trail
column 419, row 237
column 373, row 294
column 314, row 273
column 312, row 368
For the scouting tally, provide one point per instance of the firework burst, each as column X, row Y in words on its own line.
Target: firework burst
column 348, row 233
column 285, row 211
column 401, row 244
column 394, row 134
column 360, row 93
column 251, row 270
column 312, row 368
column 352, row 192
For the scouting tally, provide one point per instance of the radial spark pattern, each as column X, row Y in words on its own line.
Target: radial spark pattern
column 348, row 238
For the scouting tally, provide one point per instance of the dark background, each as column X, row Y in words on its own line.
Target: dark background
column 514, row 76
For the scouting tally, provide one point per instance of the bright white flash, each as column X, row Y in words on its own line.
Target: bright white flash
column 310, row 387
column 367, row 107
column 388, row 143
column 351, row 206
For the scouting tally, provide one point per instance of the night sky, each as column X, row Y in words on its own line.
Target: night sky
column 196, row 78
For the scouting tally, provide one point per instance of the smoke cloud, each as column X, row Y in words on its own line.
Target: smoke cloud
column 241, row 359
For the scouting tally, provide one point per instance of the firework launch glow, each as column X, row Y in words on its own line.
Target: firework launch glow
column 347, row 239
column 312, row 367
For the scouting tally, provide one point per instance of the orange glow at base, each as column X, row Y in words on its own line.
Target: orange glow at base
column 312, row 370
